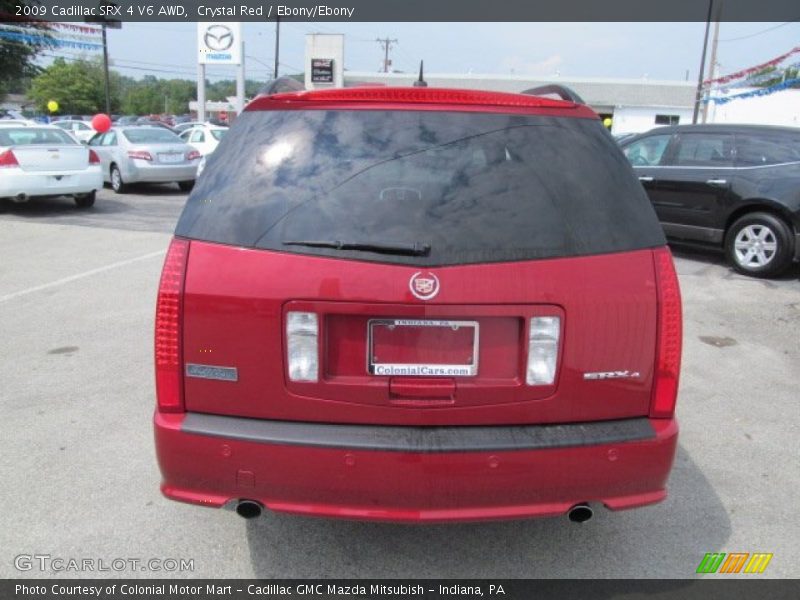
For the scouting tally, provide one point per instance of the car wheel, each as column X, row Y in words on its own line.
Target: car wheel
column 85, row 200
column 116, row 181
column 759, row 244
column 186, row 186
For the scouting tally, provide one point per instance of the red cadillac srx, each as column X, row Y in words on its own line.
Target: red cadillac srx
column 420, row 305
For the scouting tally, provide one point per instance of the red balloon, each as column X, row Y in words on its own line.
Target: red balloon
column 101, row 123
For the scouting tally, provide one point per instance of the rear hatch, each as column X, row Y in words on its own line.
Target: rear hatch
column 419, row 267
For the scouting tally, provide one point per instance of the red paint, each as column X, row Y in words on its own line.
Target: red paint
column 395, row 486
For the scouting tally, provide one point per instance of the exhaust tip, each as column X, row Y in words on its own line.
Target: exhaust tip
column 248, row 509
column 580, row 513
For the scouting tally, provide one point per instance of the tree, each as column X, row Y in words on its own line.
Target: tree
column 19, row 45
column 77, row 86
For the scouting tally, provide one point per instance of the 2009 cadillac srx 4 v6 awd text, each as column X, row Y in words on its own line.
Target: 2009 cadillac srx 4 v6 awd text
column 417, row 305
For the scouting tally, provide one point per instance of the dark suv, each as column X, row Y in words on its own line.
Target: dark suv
column 735, row 186
column 417, row 305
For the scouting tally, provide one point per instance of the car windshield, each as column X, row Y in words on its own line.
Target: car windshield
column 473, row 187
column 218, row 133
column 150, row 135
column 25, row 136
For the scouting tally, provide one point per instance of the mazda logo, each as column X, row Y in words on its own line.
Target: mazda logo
column 218, row 38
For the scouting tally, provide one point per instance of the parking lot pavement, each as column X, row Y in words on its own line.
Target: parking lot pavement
column 77, row 292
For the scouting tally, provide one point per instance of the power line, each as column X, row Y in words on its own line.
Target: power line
column 745, row 37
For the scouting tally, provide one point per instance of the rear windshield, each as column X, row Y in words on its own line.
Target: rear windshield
column 32, row 135
column 151, row 135
column 471, row 187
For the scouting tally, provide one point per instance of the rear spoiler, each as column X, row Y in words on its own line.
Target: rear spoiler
column 554, row 89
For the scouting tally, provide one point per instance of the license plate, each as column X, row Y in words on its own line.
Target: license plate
column 422, row 348
column 170, row 158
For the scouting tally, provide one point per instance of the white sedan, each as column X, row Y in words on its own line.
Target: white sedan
column 204, row 138
column 46, row 161
column 80, row 130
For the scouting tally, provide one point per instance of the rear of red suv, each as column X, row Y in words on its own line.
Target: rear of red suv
column 417, row 305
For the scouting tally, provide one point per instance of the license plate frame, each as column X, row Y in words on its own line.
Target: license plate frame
column 384, row 369
column 167, row 157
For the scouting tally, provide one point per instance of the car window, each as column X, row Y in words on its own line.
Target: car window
column 110, row 139
column 218, row 133
column 80, row 126
column 185, row 135
column 97, row 140
column 25, row 136
column 648, row 151
column 475, row 187
column 198, row 136
column 150, row 135
column 767, row 148
column 704, row 150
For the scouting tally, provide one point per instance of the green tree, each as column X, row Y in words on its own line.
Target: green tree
column 77, row 86
column 19, row 46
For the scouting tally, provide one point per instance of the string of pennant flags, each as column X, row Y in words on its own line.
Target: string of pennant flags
column 61, row 35
column 754, row 76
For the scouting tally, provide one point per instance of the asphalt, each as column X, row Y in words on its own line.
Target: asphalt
column 80, row 480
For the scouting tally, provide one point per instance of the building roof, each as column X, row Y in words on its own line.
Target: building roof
column 597, row 92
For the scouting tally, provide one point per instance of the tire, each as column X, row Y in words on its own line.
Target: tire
column 85, row 200
column 186, row 186
column 117, row 184
column 759, row 244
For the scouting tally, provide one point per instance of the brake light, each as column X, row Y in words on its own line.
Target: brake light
column 7, row 160
column 302, row 346
column 193, row 155
column 93, row 158
column 414, row 95
column 543, row 338
column 669, row 336
column 169, row 323
column 139, row 154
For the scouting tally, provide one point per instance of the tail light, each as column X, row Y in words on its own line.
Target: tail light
column 169, row 321
column 302, row 346
column 193, row 155
column 139, row 154
column 669, row 337
column 93, row 158
column 543, row 339
column 7, row 159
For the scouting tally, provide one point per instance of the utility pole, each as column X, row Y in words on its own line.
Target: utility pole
column 277, row 44
column 712, row 68
column 105, row 71
column 387, row 45
column 699, row 91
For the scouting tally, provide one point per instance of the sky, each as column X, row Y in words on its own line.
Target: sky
column 618, row 50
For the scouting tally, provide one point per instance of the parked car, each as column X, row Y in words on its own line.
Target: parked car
column 181, row 127
column 80, row 130
column 205, row 138
column 17, row 122
column 46, row 161
column 731, row 186
column 127, row 120
column 423, row 305
column 145, row 154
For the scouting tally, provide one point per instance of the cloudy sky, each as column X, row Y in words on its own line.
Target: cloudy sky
column 628, row 50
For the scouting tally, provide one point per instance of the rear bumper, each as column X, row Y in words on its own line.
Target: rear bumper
column 414, row 474
column 154, row 173
column 45, row 183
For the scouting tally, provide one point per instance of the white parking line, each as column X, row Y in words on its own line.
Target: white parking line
column 88, row 273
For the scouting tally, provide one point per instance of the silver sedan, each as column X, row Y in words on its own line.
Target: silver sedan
column 145, row 154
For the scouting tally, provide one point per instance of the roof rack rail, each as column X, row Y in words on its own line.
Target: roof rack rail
column 561, row 91
column 281, row 85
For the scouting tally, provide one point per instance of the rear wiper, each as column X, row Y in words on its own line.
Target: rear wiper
column 412, row 249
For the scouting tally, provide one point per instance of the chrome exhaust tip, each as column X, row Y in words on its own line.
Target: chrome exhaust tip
column 580, row 513
column 249, row 509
